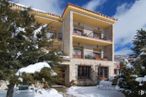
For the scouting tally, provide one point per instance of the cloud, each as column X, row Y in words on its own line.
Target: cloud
column 122, row 9
column 51, row 6
column 130, row 19
column 123, row 51
column 94, row 4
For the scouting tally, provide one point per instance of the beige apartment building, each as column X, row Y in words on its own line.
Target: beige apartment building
column 87, row 39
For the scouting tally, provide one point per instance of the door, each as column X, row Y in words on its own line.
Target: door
column 103, row 73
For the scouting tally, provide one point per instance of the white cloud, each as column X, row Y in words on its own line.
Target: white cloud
column 52, row 6
column 123, row 51
column 94, row 4
column 122, row 9
column 129, row 21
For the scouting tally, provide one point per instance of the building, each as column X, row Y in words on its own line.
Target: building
column 86, row 37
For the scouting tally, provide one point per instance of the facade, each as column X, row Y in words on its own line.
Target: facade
column 86, row 38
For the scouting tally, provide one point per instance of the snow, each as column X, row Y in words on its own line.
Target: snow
column 33, row 68
column 144, row 79
column 49, row 35
column 66, row 58
column 24, row 6
column 37, row 93
column 18, row 54
column 19, row 29
column 105, row 85
column 141, row 79
column 48, row 93
column 126, row 60
column 134, row 75
column 129, row 65
column 93, row 91
column 38, row 30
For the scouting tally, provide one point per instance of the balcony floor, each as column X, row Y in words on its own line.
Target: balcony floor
column 91, row 41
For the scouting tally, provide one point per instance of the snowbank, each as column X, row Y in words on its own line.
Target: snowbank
column 3, row 85
column 47, row 93
column 105, row 85
column 33, row 68
column 93, row 91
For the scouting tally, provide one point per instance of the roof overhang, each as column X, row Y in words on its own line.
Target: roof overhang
column 74, row 8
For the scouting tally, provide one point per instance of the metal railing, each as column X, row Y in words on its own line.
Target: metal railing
column 92, row 34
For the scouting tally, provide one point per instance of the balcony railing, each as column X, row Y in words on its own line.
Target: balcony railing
column 79, row 53
column 91, row 34
column 92, row 55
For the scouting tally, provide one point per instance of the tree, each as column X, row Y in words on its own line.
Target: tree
column 138, row 67
column 139, row 41
column 22, row 42
column 139, row 44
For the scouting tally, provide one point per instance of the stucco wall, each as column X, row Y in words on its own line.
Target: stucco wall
column 94, row 73
column 67, row 34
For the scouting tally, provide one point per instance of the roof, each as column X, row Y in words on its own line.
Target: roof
column 69, row 4
column 98, row 13
column 34, row 9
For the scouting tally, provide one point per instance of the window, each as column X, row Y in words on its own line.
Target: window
column 103, row 72
column 84, row 72
column 96, row 35
column 78, row 52
column 88, row 54
column 78, row 31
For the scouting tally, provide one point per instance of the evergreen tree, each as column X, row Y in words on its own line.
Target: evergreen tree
column 139, row 42
column 138, row 67
column 22, row 42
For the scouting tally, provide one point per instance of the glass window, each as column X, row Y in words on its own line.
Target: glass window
column 84, row 72
column 78, row 31
column 78, row 52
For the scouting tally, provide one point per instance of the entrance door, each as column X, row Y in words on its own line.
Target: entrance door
column 103, row 73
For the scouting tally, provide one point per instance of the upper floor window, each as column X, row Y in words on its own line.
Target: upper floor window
column 78, row 31
column 78, row 52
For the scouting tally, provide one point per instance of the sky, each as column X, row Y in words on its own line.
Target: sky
column 131, row 15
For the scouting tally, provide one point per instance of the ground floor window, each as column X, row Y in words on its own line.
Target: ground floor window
column 84, row 72
column 103, row 72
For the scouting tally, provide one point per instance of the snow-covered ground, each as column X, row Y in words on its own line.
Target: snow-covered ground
column 74, row 91
column 48, row 93
column 93, row 91
column 34, row 93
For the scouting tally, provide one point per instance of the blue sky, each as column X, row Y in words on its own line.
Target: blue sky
column 131, row 15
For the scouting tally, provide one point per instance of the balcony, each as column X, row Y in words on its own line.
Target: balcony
column 80, row 53
column 92, row 55
column 91, row 34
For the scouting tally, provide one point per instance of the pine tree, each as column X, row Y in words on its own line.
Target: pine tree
column 22, row 42
column 138, row 69
column 139, row 42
